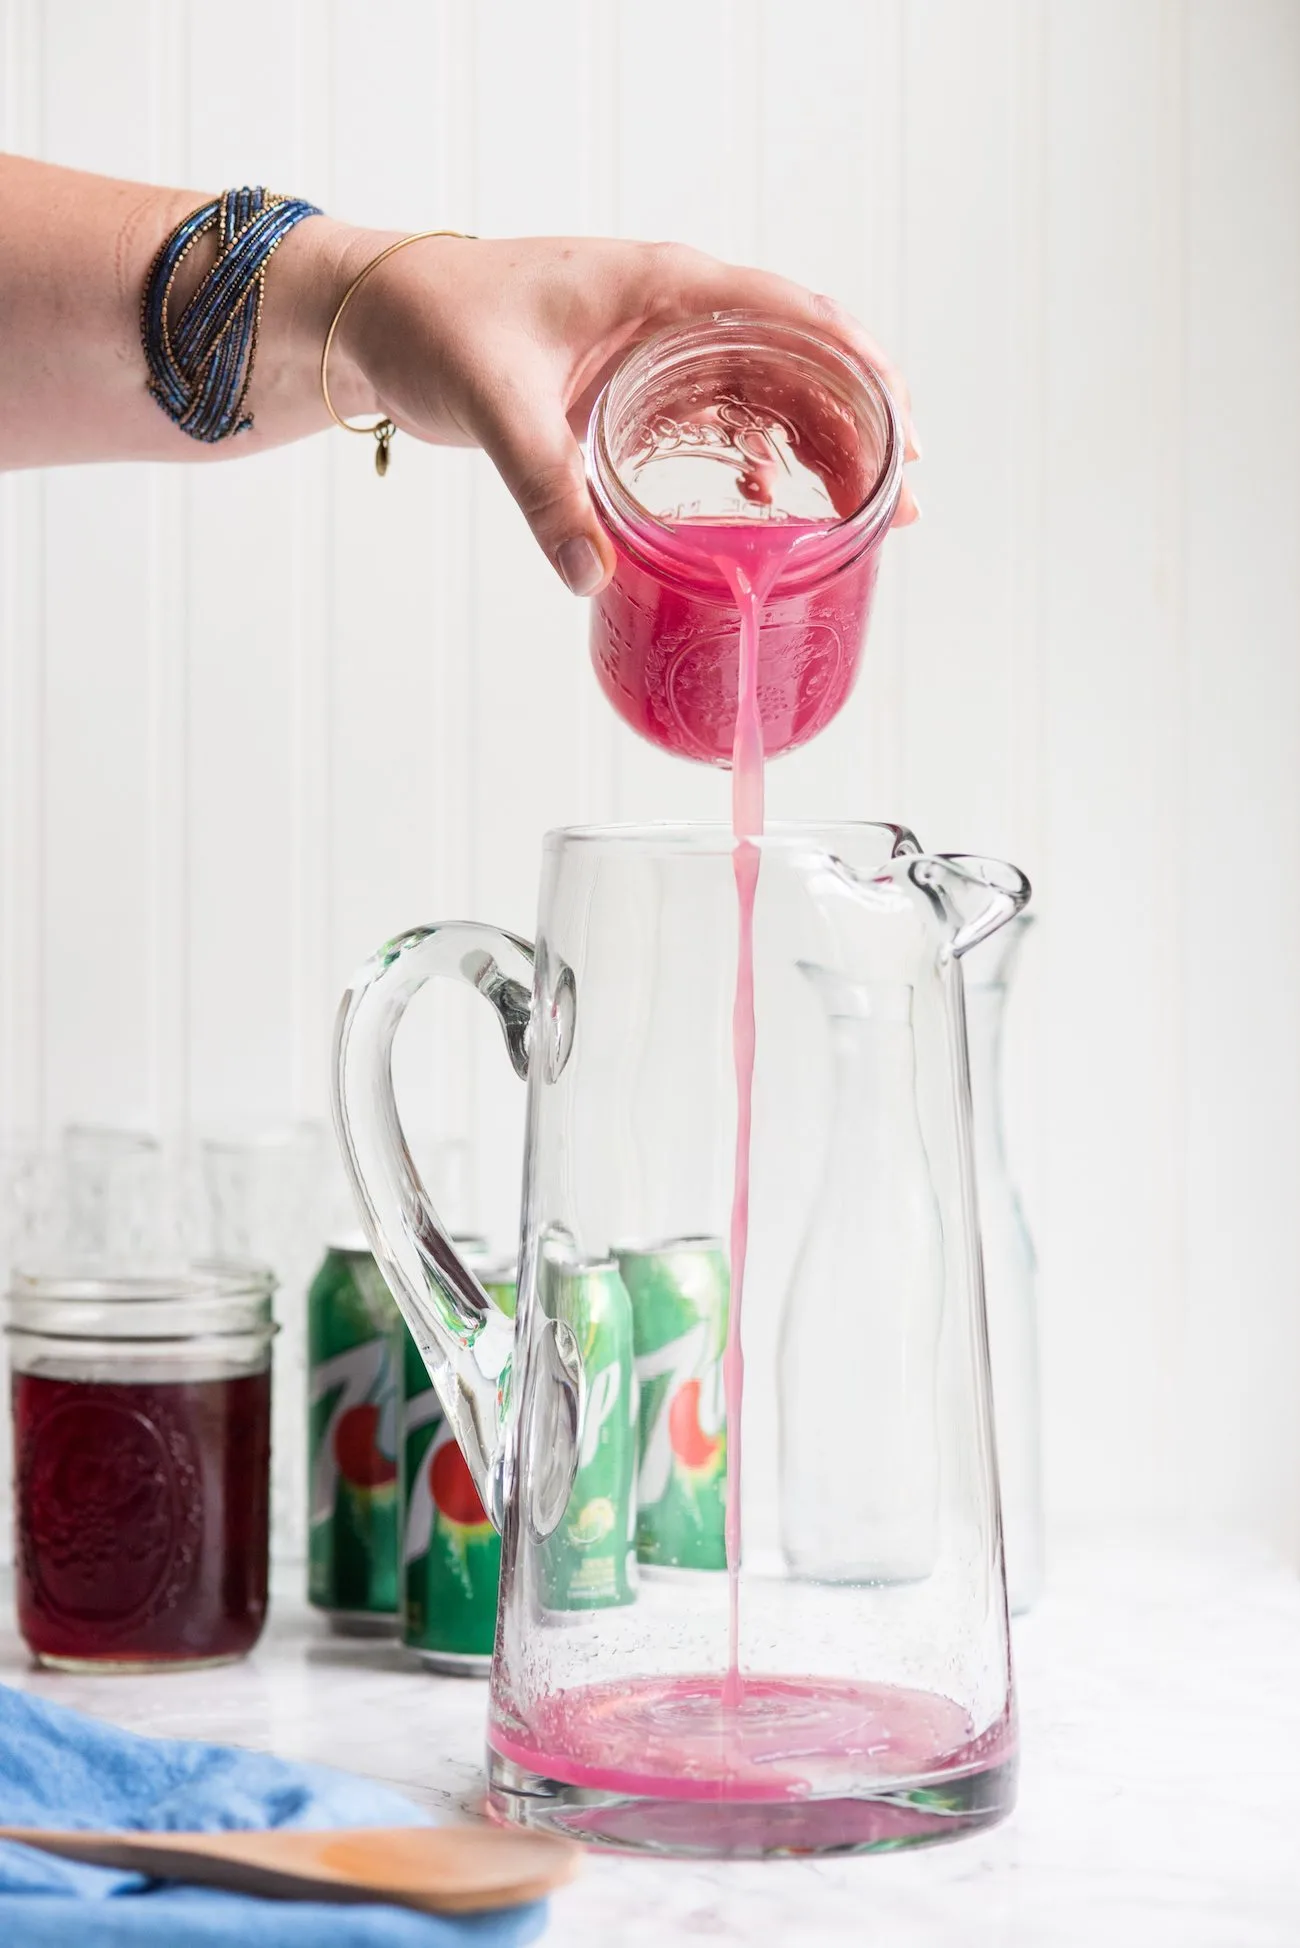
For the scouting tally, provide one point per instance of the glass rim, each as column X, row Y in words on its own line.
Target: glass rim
column 194, row 1339
column 848, row 536
column 88, row 1300
column 110, row 1282
column 717, row 839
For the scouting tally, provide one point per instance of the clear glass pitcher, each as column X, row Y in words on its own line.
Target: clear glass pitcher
column 847, row 1684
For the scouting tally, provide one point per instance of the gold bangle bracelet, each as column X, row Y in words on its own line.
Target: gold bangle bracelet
column 383, row 429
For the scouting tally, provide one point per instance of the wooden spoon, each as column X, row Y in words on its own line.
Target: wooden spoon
column 439, row 1869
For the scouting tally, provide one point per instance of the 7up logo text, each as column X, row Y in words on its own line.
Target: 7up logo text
column 353, row 1338
column 358, row 1442
column 602, row 1399
column 682, row 1412
column 451, row 1554
column 585, row 1561
column 679, row 1293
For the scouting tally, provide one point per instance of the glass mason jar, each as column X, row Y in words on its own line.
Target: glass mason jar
column 733, row 427
column 142, row 1448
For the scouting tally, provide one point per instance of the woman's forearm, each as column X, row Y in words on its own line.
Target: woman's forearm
column 75, row 251
column 503, row 343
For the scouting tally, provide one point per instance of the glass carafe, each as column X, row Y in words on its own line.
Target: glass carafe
column 1010, row 1271
column 852, row 1688
column 859, row 1448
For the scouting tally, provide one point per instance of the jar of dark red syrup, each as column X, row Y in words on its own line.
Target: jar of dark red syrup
column 738, row 439
column 142, row 1451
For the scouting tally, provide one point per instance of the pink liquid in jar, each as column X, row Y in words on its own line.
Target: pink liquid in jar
column 666, row 650
column 730, row 435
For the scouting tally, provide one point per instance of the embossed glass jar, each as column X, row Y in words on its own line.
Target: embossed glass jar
column 738, row 432
column 142, row 1448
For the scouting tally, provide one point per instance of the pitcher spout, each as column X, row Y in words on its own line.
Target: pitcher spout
column 972, row 897
column 964, row 898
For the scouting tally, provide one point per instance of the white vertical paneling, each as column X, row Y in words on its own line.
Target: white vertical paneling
column 601, row 740
column 169, row 653
column 1113, row 754
column 1024, row 403
column 533, row 80
column 22, row 741
column 385, row 556
column 401, row 737
column 97, row 1056
column 311, row 598
column 962, row 255
column 448, row 602
column 239, row 803
column 22, row 755
column 257, row 717
column 1239, row 864
column 240, row 555
column 689, row 176
column 1025, row 1084
column 832, row 216
column 969, row 682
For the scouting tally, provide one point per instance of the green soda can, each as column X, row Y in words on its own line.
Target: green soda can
column 451, row 1554
column 679, row 1292
column 353, row 1352
column 584, row 1563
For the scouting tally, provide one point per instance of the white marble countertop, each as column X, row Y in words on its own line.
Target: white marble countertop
column 1159, row 1798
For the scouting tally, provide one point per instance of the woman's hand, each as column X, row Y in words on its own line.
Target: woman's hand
column 505, row 345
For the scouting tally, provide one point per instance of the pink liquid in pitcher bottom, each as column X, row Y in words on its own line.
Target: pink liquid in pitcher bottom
column 668, row 656
column 787, row 1740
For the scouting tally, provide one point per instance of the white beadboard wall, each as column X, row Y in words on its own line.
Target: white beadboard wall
column 257, row 718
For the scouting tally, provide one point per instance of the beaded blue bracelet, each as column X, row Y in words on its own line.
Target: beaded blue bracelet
column 200, row 373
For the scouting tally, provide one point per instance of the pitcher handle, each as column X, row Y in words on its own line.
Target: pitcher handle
column 464, row 1337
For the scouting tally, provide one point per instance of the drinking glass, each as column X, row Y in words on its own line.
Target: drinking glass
column 266, row 1193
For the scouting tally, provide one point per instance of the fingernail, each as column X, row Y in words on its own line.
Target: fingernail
column 913, row 440
column 579, row 565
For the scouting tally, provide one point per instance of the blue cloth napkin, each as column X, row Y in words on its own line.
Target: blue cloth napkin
column 59, row 1768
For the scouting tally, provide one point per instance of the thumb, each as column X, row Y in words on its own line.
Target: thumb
column 524, row 433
